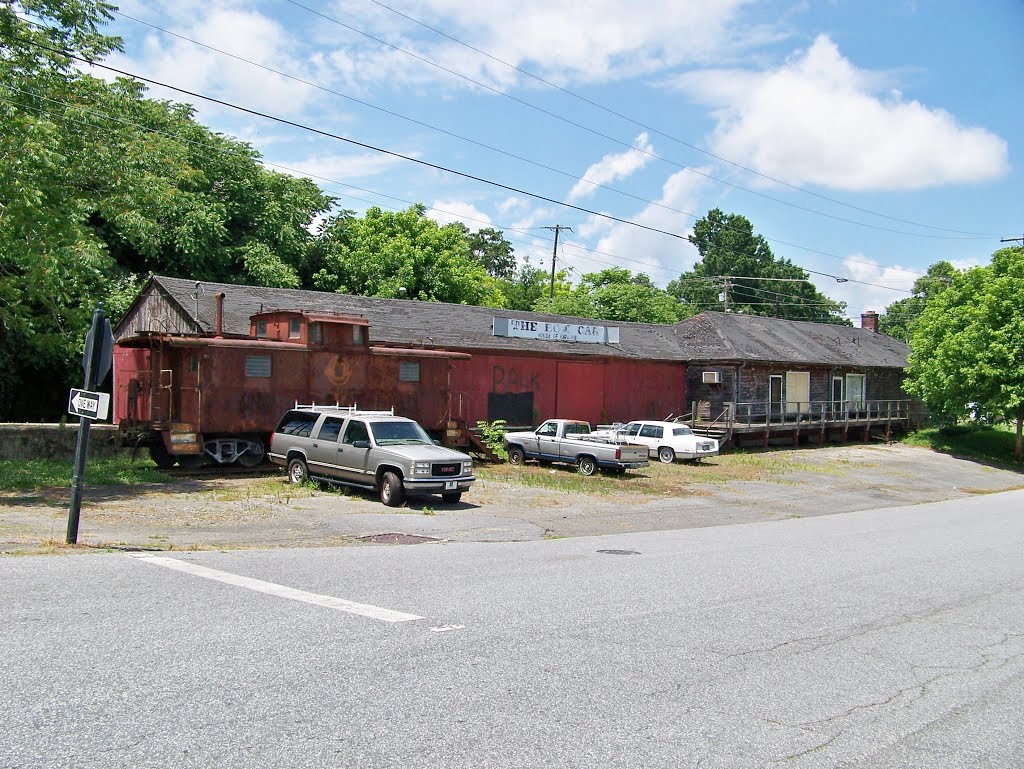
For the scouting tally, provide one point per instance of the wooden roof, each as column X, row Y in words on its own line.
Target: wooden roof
column 708, row 337
column 732, row 337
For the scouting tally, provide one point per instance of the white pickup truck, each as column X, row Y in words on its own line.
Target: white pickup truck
column 570, row 442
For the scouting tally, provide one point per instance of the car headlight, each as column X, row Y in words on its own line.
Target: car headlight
column 467, row 467
column 421, row 468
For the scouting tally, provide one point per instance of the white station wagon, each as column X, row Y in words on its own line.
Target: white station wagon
column 668, row 440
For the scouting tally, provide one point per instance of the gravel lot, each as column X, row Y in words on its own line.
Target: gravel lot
column 245, row 512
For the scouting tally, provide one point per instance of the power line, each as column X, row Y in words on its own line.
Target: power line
column 364, row 145
column 967, row 235
column 342, row 138
column 500, row 151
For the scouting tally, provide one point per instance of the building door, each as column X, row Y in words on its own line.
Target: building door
column 837, row 395
column 798, row 392
column 855, row 392
column 579, row 391
column 775, row 410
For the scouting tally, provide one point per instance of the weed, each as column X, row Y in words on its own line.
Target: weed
column 102, row 471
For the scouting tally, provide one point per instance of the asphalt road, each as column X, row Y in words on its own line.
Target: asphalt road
column 873, row 639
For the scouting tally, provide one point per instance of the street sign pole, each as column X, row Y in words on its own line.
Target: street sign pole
column 96, row 348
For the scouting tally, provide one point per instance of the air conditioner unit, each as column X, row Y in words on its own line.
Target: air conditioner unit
column 712, row 377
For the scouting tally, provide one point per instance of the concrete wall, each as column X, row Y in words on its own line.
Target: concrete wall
column 54, row 441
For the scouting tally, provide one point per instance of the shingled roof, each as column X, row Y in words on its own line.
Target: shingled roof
column 403, row 322
column 728, row 337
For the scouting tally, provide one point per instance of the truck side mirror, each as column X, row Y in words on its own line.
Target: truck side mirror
column 361, row 444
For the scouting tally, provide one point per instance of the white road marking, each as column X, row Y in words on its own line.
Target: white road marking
column 447, row 628
column 328, row 601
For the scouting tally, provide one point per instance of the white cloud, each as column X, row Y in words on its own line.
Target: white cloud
column 339, row 168
column 614, row 166
column 244, row 34
column 448, row 211
column 581, row 42
column 662, row 257
column 818, row 119
column 870, row 286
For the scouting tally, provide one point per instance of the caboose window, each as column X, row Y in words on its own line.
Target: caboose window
column 261, row 328
column 357, row 335
column 408, row 371
column 257, row 366
column 294, row 328
column 315, row 333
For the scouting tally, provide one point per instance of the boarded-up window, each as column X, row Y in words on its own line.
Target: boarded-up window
column 408, row 370
column 294, row 328
column 257, row 366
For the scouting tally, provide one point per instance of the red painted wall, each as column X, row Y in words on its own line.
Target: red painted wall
column 597, row 391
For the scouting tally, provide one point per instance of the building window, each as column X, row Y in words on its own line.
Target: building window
column 315, row 333
column 357, row 337
column 261, row 328
column 193, row 363
column 257, row 366
column 294, row 328
column 409, row 371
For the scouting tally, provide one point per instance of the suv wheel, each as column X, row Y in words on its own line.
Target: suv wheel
column 391, row 490
column 587, row 465
column 452, row 497
column 516, row 456
column 297, row 471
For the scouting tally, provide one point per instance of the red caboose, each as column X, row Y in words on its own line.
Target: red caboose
column 189, row 397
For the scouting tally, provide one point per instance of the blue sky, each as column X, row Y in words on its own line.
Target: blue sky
column 865, row 140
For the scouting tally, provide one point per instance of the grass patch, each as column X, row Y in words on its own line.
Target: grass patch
column 102, row 471
column 657, row 479
column 981, row 442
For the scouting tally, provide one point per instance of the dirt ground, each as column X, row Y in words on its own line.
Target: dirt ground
column 267, row 512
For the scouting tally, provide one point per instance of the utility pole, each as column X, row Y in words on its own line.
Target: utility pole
column 1012, row 240
column 554, row 253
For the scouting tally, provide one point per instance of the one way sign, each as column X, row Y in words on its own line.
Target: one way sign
column 83, row 403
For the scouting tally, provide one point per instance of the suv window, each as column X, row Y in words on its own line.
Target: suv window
column 330, row 429
column 398, row 433
column 356, row 431
column 651, row 431
column 297, row 423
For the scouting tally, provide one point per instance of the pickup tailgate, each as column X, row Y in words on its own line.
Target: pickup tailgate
column 632, row 452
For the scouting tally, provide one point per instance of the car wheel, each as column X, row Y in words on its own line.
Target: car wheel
column 516, row 456
column 297, row 471
column 586, row 465
column 666, row 455
column 391, row 490
column 253, row 455
column 452, row 497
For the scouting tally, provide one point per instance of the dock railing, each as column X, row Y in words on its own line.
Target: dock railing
column 755, row 415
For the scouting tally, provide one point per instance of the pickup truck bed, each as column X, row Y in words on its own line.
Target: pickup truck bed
column 569, row 442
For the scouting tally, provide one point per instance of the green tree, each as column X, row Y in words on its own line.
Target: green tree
column 402, row 254
column 968, row 344
column 100, row 186
column 490, row 248
column 758, row 282
column 899, row 316
column 528, row 285
column 616, row 294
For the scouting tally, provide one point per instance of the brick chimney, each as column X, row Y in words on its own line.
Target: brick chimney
column 218, row 329
column 869, row 320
